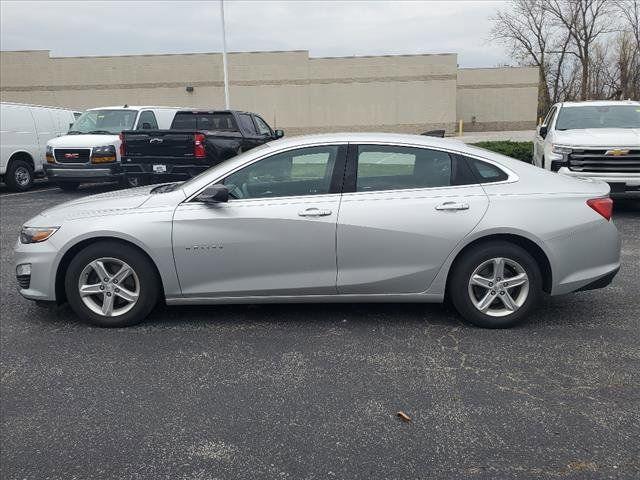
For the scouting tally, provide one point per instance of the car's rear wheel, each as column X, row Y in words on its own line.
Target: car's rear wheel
column 111, row 284
column 495, row 285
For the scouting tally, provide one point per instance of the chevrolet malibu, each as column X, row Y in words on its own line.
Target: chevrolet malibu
column 329, row 218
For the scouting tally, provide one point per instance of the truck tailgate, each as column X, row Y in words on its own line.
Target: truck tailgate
column 158, row 143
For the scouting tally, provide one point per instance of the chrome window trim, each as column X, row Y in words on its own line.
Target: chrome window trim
column 511, row 175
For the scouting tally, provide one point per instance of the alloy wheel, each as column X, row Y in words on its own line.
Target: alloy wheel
column 498, row 287
column 109, row 287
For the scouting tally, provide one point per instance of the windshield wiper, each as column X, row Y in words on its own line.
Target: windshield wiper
column 74, row 132
column 101, row 132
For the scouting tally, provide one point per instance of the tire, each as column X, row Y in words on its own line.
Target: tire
column 69, row 186
column 112, row 255
column 19, row 176
column 477, row 304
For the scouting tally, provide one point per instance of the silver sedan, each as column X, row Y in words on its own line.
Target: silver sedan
column 329, row 218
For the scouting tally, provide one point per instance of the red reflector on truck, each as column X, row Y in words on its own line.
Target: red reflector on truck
column 198, row 140
column 604, row 206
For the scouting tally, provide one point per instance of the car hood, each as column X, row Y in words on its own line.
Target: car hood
column 83, row 141
column 110, row 203
column 599, row 137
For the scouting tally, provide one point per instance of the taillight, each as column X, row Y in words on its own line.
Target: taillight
column 121, row 135
column 198, row 140
column 604, row 206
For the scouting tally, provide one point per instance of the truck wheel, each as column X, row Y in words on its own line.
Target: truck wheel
column 19, row 176
column 69, row 186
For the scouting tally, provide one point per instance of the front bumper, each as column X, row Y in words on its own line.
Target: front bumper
column 619, row 182
column 84, row 173
column 43, row 259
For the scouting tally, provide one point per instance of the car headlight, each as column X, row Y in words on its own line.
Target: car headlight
column 561, row 150
column 49, row 154
column 104, row 154
column 36, row 234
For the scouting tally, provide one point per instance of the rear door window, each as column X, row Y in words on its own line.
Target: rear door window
column 388, row 167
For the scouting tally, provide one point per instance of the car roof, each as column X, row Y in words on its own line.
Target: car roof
column 370, row 137
column 599, row 103
column 135, row 107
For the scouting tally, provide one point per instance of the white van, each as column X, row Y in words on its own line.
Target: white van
column 90, row 152
column 24, row 133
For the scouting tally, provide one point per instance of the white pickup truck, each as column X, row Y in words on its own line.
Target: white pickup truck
column 90, row 152
column 593, row 139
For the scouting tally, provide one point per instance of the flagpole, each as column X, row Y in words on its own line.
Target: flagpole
column 224, row 57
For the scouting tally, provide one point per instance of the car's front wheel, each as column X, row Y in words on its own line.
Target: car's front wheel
column 111, row 284
column 495, row 285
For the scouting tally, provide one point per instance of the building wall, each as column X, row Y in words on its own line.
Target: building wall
column 497, row 98
column 402, row 93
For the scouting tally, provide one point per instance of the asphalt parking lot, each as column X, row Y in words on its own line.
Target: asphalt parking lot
column 312, row 391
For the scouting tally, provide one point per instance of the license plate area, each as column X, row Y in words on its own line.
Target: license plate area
column 159, row 169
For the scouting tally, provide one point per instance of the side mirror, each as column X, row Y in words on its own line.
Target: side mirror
column 214, row 194
column 542, row 130
column 279, row 133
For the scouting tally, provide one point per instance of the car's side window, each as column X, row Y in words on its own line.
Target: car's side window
column 486, row 172
column 263, row 128
column 385, row 167
column 303, row 171
column 147, row 121
column 247, row 123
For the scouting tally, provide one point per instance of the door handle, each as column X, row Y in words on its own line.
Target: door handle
column 314, row 212
column 453, row 206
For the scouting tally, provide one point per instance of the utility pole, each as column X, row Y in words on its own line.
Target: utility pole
column 224, row 57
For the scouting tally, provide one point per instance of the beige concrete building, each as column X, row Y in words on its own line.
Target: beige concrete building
column 399, row 93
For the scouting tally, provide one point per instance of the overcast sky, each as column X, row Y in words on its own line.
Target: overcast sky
column 325, row 28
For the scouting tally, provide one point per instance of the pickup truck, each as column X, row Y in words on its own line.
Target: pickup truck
column 593, row 139
column 196, row 140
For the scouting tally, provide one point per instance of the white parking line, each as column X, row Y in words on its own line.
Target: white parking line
column 27, row 193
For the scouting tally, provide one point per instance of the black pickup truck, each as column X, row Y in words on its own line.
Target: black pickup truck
column 196, row 140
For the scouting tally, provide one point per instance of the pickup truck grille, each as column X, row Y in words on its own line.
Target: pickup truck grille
column 72, row 155
column 597, row 161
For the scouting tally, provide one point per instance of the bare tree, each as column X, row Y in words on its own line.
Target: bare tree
column 584, row 49
column 528, row 31
column 586, row 21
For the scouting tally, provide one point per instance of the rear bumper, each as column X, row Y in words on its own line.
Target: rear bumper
column 585, row 258
column 84, row 173
column 143, row 169
column 619, row 182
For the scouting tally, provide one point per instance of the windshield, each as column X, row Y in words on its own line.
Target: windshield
column 106, row 122
column 592, row 116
